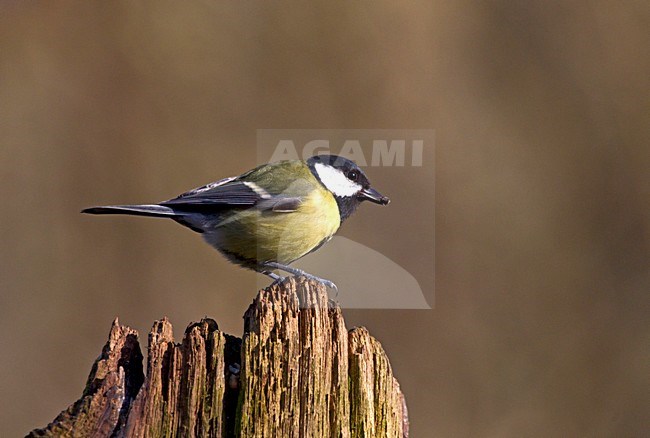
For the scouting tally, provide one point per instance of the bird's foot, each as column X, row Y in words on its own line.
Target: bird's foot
column 300, row 272
column 322, row 281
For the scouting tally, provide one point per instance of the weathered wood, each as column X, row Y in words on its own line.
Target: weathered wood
column 112, row 384
column 185, row 385
column 378, row 408
column 297, row 372
column 294, row 379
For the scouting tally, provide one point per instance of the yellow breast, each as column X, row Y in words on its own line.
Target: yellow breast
column 276, row 236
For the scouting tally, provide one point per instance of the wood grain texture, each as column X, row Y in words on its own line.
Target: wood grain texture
column 295, row 364
column 112, row 384
column 296, row 372
column 378, row 408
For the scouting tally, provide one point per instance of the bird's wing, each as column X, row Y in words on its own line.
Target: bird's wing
column 228, row 191
column 232, row 192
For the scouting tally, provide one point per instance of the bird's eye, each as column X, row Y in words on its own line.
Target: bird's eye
column 353, row 175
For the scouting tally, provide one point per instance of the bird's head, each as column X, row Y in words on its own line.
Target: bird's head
column 346, row 181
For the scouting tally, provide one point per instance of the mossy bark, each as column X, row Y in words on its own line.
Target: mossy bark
column 297, row 372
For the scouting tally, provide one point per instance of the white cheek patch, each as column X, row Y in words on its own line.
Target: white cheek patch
column 336, row 181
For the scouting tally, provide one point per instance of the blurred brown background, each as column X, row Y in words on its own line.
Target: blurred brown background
column 541, row 111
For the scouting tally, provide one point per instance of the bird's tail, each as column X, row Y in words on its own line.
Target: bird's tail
column 135, row 210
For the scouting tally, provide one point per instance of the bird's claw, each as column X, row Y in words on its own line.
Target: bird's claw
column 322, row 281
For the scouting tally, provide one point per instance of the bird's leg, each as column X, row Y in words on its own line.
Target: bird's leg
column 296, row 271
column 276, row 278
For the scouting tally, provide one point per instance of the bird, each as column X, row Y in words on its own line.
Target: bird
column 270, row 216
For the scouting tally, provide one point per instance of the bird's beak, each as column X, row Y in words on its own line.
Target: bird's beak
column 373, row 195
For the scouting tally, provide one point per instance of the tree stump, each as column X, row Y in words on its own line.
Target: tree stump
column 297, row 372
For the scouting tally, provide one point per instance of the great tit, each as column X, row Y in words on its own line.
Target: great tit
column 270, row 216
